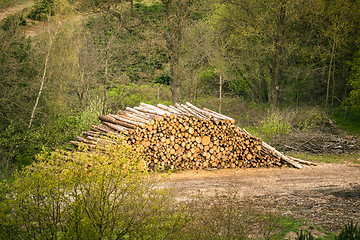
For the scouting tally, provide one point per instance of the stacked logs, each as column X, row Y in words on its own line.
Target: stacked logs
column 188, row 143
column 186, row 137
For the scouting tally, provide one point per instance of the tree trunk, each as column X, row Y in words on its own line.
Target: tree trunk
column 329, row 76
column 175, row 80
column 220, row 93
column 105, row 86
column 275, row 85
column 44, row 74
column 333, row 85
column 297, row 92
column 175, row 17
column 158, row 92
column 277, row 80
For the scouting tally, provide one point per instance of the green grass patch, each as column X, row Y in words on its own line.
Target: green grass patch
column 288, row 225
column 349, row 122
column 329, row 158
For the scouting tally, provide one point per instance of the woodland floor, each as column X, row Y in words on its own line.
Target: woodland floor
column 326, row 195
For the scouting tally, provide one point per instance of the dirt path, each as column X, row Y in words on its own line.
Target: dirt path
column 328, row 194
column 15, row 9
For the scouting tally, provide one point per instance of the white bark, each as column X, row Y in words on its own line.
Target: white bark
column 44, row 73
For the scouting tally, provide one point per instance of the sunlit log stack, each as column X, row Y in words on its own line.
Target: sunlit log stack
column 184, row 136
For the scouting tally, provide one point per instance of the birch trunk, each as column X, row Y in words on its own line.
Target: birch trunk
column 329, row 76
column 220, row 93
column 44, row 74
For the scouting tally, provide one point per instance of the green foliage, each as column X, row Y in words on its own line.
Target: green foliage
column 89, row 116
column 273, row 124
column 10, row 21
column 133, row 94
column 43, row 9
column 330, row 158
column 313, row 120
column 18, row 148
column 348, row 120
column 163, row 79
column 350, row 231
column 354, row 82
column 17, row 71
column 302, row 235
column 237, row 87
column 87, row 195
column 151, row 12
column 9, row 3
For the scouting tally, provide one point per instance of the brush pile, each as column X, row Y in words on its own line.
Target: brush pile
column 184, row 136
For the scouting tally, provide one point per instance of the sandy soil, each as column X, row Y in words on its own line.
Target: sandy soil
column 326, row 194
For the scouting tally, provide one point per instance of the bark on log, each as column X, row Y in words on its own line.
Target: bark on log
column 184, row 136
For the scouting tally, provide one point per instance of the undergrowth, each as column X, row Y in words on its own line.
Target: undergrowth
column 349, row 121
column 109, row 194
column 10, row 3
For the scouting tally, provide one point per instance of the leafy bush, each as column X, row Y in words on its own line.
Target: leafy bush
column 273, row 124
column 45, row 8
column 89, row 116
column 307, row 120
column 42, row 10
column 10, row 21
column 19, row 147
column 133, row 94
column 86, row 195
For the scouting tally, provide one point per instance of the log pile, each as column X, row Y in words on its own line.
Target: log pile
column 184, row 136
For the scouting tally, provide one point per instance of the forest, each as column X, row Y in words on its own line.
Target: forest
column 287, row 71
column 64, row 62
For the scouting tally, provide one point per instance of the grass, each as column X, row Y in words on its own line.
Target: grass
column 290, row 225
column 329, row 158
column 350, row 123
column 10, row 3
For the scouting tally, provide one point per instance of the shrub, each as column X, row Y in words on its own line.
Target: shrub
column 19, row 147
column 86, row 195
column 42, row 10
column 133, row 94
column 13, row 21
column 45, row 8
column 273, row 124
column 350, row 232
column 304, row 236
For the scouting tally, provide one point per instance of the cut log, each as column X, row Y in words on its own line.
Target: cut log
column 184, row 136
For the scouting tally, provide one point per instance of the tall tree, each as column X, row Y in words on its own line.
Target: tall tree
column 177, row 11
column 160, row 26
column 17, row 74
column 269, row 39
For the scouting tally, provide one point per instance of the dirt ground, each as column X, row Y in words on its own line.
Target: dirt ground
column 326, row 195
column 15, row 9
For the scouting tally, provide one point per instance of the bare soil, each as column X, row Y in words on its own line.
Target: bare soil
column 326, row 195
